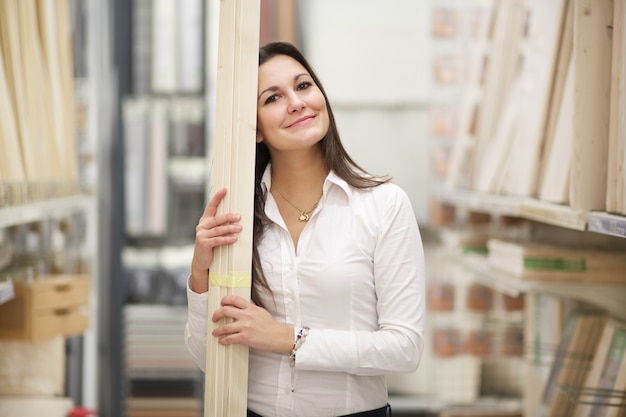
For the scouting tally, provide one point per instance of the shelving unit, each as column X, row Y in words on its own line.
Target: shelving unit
column 550, row 197
column 163, row 111
column 609, row 296
column 58, row 212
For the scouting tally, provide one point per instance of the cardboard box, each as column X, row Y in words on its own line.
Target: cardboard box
column 32, row 368
column 46, row 307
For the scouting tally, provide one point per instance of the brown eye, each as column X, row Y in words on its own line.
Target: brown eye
column 304, row 85
column 271, row 99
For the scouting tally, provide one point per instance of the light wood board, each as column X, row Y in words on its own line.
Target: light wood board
column 592, row 85
column 226, row 384
column 616, row 175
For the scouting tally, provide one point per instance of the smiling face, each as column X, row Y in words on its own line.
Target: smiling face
column 291, row 109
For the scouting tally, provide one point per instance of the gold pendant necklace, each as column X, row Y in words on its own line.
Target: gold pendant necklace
column 305, row 215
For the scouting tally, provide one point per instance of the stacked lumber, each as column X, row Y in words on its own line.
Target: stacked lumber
column 544, row 118
column 37, row 133
column 551, row 263
column 226, row 384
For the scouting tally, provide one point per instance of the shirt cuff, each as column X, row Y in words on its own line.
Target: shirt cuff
column 198, row 309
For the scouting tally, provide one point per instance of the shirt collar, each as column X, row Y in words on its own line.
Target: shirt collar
column 331, row 179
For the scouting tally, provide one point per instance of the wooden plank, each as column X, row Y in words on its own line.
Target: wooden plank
column 459, row 172
column 37, row 93
column 555, row 214
column 58, row 73
column 616, row 197
column 555, row 116
column 16, row 80
column 226, row 385
column 554, row 183
column 489, row 174
column 500, row 91
column 592, row 80
column 540, row 52
column 66, row 64
column 11, row 168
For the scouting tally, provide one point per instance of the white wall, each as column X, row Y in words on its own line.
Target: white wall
column 373, row 58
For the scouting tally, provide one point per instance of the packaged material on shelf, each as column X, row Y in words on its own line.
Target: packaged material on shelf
column 46, row 307
column 35, row 406
column 32, row 368
column 543, row 262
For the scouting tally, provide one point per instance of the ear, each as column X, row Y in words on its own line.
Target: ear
column 259, row 137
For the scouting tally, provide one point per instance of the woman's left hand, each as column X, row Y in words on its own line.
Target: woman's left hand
column 251, row 325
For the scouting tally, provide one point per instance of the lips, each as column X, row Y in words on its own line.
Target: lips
column 301, row 121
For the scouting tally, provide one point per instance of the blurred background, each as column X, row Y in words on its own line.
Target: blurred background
column 503, row 120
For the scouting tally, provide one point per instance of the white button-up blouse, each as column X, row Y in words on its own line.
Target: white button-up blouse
column 357, row 280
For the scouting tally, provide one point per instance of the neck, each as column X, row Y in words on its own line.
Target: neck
column 296, row 177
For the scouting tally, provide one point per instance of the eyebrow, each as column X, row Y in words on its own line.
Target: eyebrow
column 274, row 88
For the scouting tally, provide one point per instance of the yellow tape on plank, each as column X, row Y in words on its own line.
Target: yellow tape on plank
column 232, row 280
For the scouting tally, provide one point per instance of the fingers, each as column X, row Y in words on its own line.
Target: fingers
column 232, row 306
column 214, row 203
column 213, row 225
column 219, row 225
column 231, row 331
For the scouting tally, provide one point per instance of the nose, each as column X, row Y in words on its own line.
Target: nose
column 296, row 103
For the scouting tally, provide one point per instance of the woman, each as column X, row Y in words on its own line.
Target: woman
column 338, row 267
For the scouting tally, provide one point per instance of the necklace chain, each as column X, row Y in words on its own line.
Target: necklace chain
column 304, row 215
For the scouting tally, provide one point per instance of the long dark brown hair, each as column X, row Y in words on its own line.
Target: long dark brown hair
column 335, row 156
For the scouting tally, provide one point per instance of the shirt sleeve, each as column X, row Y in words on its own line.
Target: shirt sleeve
column 397, row 345
column 196, row 327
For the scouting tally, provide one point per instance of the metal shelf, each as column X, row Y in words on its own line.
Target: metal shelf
column 489, row 203
column 539, row 211
column 608, row 224
column 28, row 213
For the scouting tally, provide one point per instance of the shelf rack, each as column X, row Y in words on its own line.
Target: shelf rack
column 610, row 296
column 53, row 208
column 29, row 213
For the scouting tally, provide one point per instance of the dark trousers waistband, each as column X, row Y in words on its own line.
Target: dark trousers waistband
column 379, row 412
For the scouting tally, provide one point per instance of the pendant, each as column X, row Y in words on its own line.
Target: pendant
column 303, row 217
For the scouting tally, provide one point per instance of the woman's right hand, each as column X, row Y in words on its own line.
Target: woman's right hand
column 212, row 230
